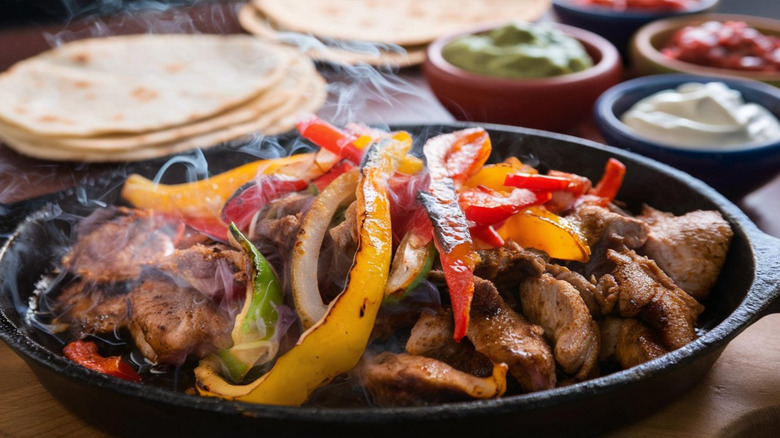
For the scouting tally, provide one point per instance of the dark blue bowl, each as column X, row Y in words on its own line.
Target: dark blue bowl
column 618, row 26
column 733, row 172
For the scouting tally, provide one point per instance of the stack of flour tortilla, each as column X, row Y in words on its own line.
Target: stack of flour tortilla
column 376, row 32
column 138, row 97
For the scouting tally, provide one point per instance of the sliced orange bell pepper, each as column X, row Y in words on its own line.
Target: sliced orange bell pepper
column 536, row 227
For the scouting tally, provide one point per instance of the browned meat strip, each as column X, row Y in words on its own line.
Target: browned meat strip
column 114, row 244
column 278, row 234
column 506, row 266
column 558, row 307
column 598, row 223
column 629, row 342
column 89, row 308
column 344, row 235
column 503, row 335
column 170, row 322
column 690, row 248
column 647, row 293
column 587, row 289
column 216, row 271
column 432, row 337
column 405, row 380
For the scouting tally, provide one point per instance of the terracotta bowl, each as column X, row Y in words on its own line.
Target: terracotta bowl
column 734, row 171
column 553, row 104
column 647, row 59
column 618, row 26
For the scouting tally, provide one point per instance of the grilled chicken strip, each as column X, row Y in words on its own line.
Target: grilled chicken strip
column 691, row 248
column 558, row 307
column 647, row 293
column 629, row 342
column 431, row 336
column 115, row 243
column 503, row 335
column 405, row 380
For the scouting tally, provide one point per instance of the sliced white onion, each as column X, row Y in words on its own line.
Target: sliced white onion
column 306, row 252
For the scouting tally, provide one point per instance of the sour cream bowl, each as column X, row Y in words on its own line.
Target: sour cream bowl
column 733, row 170
column 556, row 103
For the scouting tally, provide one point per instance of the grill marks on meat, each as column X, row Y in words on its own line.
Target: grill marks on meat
column 646, row 292
column 690, row 248
column 406, row 380
column 558, row 307
column 503, row 335
column 115, row 243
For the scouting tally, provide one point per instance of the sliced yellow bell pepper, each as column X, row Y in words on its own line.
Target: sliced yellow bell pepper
column 203, row 198
column 335, row 344
column 536, row 227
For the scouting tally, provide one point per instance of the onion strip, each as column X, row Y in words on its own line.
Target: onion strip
column 306, row 251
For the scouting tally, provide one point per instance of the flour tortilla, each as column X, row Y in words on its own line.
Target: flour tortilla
column 137, row 83
column 279, row 120
column 403, row 22
column 254, row 22
column 297, row 78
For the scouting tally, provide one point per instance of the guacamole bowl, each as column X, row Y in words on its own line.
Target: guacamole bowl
column 557, row 103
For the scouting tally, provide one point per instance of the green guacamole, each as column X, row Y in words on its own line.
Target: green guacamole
column 518, row 50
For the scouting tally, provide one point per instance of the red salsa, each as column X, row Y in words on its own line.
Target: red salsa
column 643, row 4
column 731, row 44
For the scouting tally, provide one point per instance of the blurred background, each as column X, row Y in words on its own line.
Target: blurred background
column 27, row 12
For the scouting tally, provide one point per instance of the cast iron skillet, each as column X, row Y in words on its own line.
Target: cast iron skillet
column 746, row 290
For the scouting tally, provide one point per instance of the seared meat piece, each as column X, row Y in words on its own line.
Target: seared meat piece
column 690, row 248
column 558, row 307
column 506, row 266
column 114, row 243
column 629, row 342
column 598, row 223
column 589, row 292
column 647, row 293
column 89, row 308
column 277, row 234
column 345, row 234
column 170, row 322
column 505, row 336
column 216, row 271
column 432, row 337
column 404, row 380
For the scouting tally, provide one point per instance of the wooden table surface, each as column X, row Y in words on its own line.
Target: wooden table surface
column 742, row 390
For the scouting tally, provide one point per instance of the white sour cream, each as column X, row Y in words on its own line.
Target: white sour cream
column 702, row 116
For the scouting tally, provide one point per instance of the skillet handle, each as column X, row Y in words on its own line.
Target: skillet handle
column 767, row 281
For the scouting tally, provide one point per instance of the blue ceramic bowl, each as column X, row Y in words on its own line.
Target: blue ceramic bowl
column 618, row 26
column 733, row 172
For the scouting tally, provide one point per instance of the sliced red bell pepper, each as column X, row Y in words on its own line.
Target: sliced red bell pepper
column 611, row 180
column 457, row 155
column 452, row 159
column 86, row 354
column 485, row 206
column 537, row 182
column 488, row 235
column 327, row 136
